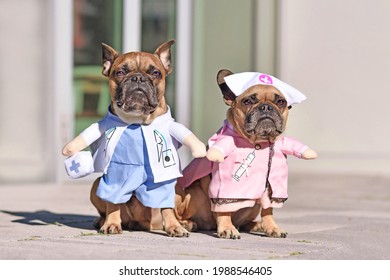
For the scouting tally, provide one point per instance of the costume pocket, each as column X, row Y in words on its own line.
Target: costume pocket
column 168, row 158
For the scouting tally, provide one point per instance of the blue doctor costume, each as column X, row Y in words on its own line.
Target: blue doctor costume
column 130, row 172
column 136, row 159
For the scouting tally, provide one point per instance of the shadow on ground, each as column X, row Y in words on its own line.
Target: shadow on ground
column 43, row 217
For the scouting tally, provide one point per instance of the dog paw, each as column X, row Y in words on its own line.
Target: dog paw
column 229, row 233
column 273, row 231
column 189, row 225
column 111, row 229
column 276, row 232
column 177, row 231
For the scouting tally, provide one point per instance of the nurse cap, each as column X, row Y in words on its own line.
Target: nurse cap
column 238, row 83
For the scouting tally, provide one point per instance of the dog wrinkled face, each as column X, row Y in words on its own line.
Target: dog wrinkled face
column 137, row 85
column 260, row 113
column 137, row 82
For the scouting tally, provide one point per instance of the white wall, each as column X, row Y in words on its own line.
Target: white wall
column 338, row 54
column 23, row 91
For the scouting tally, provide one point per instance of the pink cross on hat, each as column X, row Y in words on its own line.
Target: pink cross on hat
column 240, row 82
column 266, row 79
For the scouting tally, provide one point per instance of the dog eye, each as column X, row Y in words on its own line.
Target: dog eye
column 120, row 73
column 248, row 102
column 156, row 73
column 281, row 102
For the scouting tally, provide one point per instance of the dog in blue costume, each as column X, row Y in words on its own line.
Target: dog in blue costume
column 135, row 146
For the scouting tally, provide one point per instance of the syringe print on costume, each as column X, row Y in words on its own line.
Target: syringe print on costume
column 243, row 168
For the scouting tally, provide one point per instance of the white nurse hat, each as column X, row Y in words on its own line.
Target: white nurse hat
column 238, row 83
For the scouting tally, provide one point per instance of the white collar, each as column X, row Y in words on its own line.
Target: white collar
column 120, row 122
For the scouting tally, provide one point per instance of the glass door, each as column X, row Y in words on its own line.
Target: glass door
column 101, row 21
column 158, row 26
column 95, row 22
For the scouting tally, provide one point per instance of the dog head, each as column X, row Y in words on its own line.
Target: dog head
column 259, row 113
column 137, row 82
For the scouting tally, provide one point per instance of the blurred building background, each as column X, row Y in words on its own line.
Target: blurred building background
column 336, row 52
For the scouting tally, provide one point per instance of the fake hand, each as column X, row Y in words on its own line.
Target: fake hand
column 74, row 146
column 309, row 154
column 215, row 155
column 198, row 148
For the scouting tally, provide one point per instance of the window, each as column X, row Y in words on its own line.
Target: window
column 95, row 22
column 100, row 21
column 159, row 26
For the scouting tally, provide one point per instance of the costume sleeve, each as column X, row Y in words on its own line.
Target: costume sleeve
column 179, row 131
column 225, row 143
column 94, row 131
column 290, row 146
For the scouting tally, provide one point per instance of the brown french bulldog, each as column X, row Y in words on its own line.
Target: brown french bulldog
column 137, row 91
column 245, row 169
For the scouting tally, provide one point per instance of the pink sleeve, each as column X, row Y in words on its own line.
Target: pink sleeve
column 290, row 146
column 225, row 144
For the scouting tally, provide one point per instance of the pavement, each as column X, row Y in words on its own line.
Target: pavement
column 327, row 217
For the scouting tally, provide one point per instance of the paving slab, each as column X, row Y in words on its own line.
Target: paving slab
column 328, row 217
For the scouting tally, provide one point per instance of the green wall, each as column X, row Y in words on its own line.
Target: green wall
column 223, row 39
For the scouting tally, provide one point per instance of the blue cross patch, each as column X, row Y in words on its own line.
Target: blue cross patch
column 75, row 166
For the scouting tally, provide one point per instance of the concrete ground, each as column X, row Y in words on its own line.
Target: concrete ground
column 328, row 217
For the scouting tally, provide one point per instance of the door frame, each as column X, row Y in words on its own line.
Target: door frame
column 61, row 113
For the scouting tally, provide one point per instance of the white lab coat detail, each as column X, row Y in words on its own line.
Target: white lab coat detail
column 162, row 138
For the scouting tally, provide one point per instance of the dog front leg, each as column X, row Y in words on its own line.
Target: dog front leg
column 225, row 227
column 112, row 223
column 171, row 225
column 269, row 226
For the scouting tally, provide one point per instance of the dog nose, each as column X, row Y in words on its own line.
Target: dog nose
column 266, row 108
column 138, row 78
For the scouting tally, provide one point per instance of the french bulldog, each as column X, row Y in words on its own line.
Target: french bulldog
column 245, row 173
column 134, row 145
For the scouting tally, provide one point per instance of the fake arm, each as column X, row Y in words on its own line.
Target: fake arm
column 187, row 138
column 86, row 138
column 221, row 149
column 293, row 147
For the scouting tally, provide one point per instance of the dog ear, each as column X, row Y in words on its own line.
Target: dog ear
column 109, row 55
column 228, row 95
column 163, row 52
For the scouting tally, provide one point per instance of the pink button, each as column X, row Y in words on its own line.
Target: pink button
column 265, row 79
